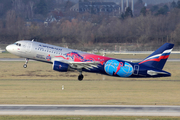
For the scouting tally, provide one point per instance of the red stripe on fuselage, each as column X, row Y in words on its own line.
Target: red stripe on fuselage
column 62, row 57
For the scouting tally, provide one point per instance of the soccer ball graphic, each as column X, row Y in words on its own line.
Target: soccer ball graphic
column 118, row 68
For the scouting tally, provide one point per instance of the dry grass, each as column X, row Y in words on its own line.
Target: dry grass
column 7, row 55
column 39, row 84
column 35, row 70
column 90, row 92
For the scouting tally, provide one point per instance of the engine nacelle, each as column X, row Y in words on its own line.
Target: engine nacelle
column 60, row 66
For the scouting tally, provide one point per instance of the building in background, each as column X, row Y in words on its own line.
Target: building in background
column 110, row 8
column 129, row 3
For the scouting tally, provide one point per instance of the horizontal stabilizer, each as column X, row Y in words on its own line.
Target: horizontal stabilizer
column 152, row 73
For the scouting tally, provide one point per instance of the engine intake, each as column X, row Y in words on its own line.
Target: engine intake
column 60, row 66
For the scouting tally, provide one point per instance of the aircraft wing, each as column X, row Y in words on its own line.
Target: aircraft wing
column 86, row 65
column 80, row 65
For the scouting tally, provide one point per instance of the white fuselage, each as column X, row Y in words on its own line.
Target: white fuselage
column 37, row 51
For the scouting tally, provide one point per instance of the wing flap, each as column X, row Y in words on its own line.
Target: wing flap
column 80, row 65
column 86, row 65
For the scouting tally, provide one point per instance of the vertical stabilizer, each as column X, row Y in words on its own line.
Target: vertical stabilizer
column 158, row 58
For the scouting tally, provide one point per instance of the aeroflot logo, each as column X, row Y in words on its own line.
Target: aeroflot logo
column 49, row 48
column 48, row 58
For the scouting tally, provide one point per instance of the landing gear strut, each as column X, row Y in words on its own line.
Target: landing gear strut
column 80, row 77
column 25, row 65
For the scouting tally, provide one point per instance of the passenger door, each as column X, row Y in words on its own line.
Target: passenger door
column 28, row 47
column 136, row 69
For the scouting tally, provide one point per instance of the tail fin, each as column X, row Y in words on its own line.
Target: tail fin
column 158, row 58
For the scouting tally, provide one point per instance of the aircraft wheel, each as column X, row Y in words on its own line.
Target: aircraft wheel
column 25, row 66
column 80, row 77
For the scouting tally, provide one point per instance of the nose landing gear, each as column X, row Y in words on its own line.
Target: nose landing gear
column 25, row 65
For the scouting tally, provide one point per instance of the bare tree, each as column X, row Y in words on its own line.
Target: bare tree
column 31, row 4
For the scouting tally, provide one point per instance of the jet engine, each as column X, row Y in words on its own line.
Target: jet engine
column 60, row 66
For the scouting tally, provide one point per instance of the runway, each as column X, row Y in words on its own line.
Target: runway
column 104, row 110
column 23, row 59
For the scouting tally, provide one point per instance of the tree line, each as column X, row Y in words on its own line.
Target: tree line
column 90, row 29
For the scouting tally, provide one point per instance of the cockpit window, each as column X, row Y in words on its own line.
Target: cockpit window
column 18, row 44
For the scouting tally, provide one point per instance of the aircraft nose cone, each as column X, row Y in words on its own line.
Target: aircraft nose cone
column 8, row 48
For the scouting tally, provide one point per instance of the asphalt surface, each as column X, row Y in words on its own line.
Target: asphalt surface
column 119, row 110
column 23, row 59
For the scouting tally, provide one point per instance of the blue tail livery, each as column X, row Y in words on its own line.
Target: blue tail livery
column 158, row 58
column 63, row 60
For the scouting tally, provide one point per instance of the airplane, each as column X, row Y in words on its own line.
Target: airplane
column 64, row 59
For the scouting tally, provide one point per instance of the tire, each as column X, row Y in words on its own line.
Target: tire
column 80, row 77
column 25, row 66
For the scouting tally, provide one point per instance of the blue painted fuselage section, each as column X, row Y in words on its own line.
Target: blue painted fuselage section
column 120, row 68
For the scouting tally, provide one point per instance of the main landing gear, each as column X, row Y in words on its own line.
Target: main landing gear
column 25, row 65
column 80, row 77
